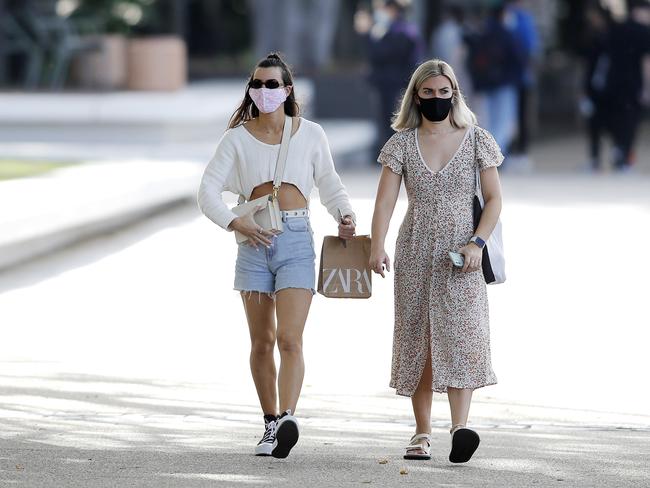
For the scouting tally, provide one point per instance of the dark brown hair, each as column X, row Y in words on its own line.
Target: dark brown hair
column 247, row 109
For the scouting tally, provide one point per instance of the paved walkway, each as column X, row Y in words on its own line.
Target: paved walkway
column 45, row 213
column 347, row 138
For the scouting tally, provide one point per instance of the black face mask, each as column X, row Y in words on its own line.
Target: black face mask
column 435, row 109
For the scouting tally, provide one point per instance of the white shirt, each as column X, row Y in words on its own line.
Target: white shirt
column 241, row 162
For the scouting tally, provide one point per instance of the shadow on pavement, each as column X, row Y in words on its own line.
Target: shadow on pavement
column 72, row 429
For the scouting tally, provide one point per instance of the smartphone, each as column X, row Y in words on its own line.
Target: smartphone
column 457, row 258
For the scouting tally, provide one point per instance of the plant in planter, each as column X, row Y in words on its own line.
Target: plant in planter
column 157, row 58
column 144, row 54
column 111, row 16
column 106, row 23
column 157, row 62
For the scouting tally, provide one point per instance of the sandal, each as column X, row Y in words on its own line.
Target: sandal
column 464, row 443
column 416, row 445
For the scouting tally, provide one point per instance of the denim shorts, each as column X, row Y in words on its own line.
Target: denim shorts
column 289, row 262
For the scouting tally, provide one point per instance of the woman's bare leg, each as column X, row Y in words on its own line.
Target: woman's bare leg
column 421, row 400
column 292, row 308
column 259, row 309
column 463, row 446
column 460, row 400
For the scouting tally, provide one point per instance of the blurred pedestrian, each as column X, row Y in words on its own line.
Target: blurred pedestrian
column 521, row 23
column 629, row 46
column 495, row 64
column 302, row 29
column 394, row 48
column 280, row 268
column 441, row 337
column 448, row 44
column 594, row 104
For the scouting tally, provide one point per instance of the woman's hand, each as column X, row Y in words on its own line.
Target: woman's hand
column 473, row 257
column 256, row 234
column 379, row 259
column 346, row 228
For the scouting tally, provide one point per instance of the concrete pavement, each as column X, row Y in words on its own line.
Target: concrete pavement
column 46, row 213
column 349, row 140
column 204, row 451
column 78, row 429
column 198, row 111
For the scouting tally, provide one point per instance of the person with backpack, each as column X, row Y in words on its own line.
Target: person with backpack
column 629, row 49
column 521, row 22
column 594, row 103
column 495, row 63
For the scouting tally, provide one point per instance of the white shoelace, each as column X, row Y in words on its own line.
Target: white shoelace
column 269, row 433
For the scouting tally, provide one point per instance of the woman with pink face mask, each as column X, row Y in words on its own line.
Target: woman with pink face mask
column 275, row 274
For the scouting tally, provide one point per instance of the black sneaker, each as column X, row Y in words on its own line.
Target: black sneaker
column 464, row 443
column 286, row 435
column 265, row 445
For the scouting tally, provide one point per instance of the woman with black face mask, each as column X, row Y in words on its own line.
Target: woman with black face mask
column 442, row 338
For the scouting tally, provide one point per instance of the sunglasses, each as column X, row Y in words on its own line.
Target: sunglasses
column 270, row 84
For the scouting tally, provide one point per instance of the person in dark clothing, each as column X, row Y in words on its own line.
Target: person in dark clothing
column 394, row 48
column 594, row 104
column 628, row 45
column 495, row 63
column 522, row 24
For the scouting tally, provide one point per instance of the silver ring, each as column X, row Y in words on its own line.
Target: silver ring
column 259, row 230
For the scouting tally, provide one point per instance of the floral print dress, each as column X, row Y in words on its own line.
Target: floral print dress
column 439, row 310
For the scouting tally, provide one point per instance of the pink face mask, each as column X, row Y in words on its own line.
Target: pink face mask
column 268, row 100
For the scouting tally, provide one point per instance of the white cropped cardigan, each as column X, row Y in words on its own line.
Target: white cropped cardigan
column 241, row 162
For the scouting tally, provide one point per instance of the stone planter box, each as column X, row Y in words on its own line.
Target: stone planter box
column 104, row 68
column 156, row 63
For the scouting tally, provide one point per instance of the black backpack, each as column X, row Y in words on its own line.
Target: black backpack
column 487, row 56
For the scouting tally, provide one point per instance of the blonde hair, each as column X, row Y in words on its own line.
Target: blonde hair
column 409, row 117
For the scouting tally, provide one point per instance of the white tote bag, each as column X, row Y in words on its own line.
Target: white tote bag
column 494, row 262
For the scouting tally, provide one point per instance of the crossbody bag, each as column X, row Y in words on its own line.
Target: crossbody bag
column 269, row 217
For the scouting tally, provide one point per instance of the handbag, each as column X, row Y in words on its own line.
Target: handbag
column 344, row 268
column 269, row 217
column 493, row 263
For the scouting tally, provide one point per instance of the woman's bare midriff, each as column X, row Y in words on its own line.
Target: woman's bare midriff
column 290, row 197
